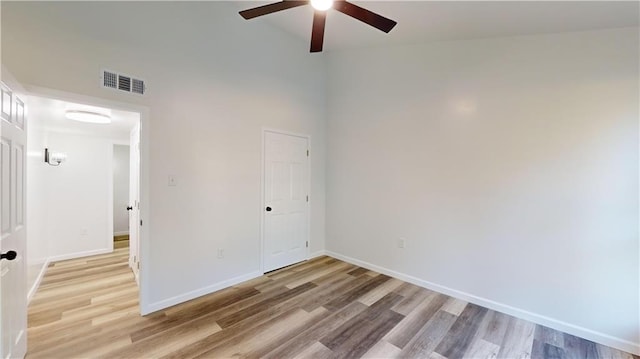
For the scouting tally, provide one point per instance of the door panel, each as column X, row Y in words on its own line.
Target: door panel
column 286, row 224
column 13, row 282
column 18, row 154
column 5, row 177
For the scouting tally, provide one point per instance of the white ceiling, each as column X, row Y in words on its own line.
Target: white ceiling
column 49, row 115
column 422, row 21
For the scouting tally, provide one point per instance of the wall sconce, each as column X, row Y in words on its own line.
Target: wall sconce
column 54, row 159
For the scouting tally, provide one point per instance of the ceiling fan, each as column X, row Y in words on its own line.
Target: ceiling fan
column 320, row 15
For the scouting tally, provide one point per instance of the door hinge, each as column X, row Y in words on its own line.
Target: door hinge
column 307, row 198
column 307, row 153
column 140, row 222
column 307, row 244
column 138, row 264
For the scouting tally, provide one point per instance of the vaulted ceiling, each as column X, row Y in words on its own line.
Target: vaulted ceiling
column 420, row 21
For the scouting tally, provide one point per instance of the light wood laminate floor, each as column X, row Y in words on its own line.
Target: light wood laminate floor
column 322, row 308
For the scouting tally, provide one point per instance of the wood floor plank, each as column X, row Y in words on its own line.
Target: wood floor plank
column 235, row 317
column 457, row 341
column 428, row 338
column 353, row 294
column 435, row 355
column 328, row 272
column 379, row 292
column 518, row 339
column 542, row 350
column 549, row 336
column 415, row 320
column 286, row 334
column 358, row 272
column 413, row 296
column 264, row 337
column 358, row 325
column 167, row 342
column 454, row 306
column 575, row 348
column 334, row 291
column 482, row 349
column 315, row 351
column 382, row 349
column 321, row 329
column 497, row 327
column 369, row 334
column 322, row 308
column 611, row 353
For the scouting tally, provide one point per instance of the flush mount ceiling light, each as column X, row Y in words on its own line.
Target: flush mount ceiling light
column 87, row 116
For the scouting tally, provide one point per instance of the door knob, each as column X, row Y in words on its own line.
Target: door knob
column 10, row 255
column 268, row 209
column 129, row 208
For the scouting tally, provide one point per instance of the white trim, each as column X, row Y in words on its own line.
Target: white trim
column 261, row 206
column 122, row 233
column 95, row 252
column 36, row 284
column 109, row 239
column 166, row 303
column 262, row 199
column 589, row 334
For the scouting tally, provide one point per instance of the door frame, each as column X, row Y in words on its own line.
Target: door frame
column 262, row 192
column 135, row 258
column 144, row 193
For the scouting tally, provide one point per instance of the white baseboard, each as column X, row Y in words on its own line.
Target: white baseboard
column 64, row 257
column 123, row 233
column 36, row 284
column 589, row 334
column 166, row 303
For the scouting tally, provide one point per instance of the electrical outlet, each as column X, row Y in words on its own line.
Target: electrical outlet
column 402, row 243
column 220, row 253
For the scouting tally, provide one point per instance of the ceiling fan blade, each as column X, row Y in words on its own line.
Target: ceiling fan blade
column 364, row 15
column 271, row 8
column 317, row 33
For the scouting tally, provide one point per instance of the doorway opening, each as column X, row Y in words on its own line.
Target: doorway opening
column 74, row 193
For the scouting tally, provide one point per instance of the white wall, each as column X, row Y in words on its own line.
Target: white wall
column 70, row 205
column 214, row 81
column 79, row 196
column 509, row 165
column 120, row 189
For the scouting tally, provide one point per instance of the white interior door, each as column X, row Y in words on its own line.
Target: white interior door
column 134, row 201
column 286, row 200
column 13, row 280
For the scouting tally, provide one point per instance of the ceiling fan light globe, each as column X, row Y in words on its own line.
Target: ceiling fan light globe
column 322, row 5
